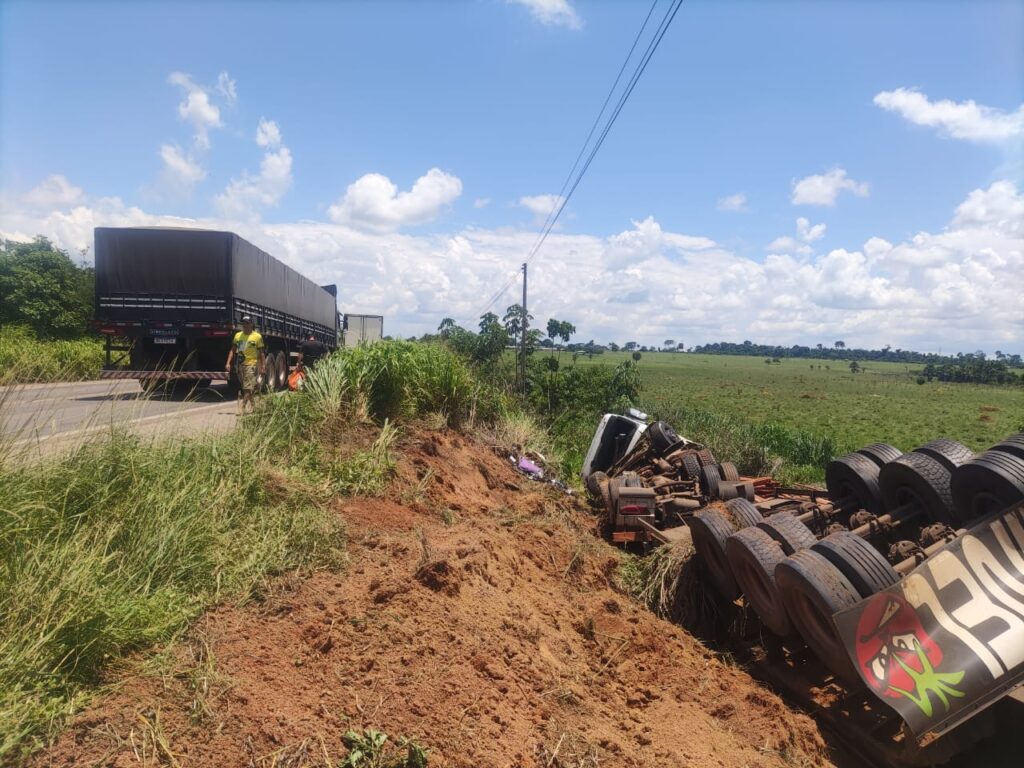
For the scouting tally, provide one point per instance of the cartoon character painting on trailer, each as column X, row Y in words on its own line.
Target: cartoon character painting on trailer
column 898, row 658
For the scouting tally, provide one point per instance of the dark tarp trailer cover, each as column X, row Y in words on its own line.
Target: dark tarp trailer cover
column 196, row 262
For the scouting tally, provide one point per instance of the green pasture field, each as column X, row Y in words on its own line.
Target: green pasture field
column 822, row 397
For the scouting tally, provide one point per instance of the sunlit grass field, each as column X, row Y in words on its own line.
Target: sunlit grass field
column 883, row 403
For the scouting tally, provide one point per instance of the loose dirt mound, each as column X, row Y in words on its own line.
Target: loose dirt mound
column 478, row 615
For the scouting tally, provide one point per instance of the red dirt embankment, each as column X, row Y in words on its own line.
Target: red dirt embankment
column 479, row 616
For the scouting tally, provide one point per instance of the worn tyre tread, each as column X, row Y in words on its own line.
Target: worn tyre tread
column 920, row 477
column 745, row 513
column 788, row 531
column 862, row 564
column 855, row 475
column 753, row 556
column 808, row 575
column 993, row 479
column 881, row 453
column 711, row 530
column 949, row 453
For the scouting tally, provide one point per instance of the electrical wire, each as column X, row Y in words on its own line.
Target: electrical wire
column 563, row 200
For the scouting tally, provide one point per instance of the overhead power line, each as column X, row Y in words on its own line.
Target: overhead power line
column 572, row 182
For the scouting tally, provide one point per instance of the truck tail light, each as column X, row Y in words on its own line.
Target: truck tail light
column 216, row 332
column 108, row 331
column 633, row 509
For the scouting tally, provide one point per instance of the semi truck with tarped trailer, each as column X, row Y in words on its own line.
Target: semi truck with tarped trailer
column 169, row 300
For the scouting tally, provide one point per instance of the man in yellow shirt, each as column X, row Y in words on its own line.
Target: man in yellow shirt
column 248, row 348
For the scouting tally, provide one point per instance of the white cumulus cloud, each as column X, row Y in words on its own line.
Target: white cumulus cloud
column 226, row 87
column 481, row 202
column 958, row 119
column 374, row 202
column 806, row 233
column 823, row 189
column 267, row 133
column 197, row 108
column 958, row 287
column 180, row 172
column 737, row 202
column 552, row 13
column 541, row 206
column 247, row 195
column 54, row 192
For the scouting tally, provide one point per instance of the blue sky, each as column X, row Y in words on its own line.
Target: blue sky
column 742, row 98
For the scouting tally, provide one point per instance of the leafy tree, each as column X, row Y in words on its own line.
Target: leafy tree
column 41, row 287
column 636, row 357
column 680, row 346
column 840, row 345
column 669, row 343
column 513, row 320
column 629, row 346
column 446, row 327
column 854, row 366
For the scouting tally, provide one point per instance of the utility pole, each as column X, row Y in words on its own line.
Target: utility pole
column 522, row 345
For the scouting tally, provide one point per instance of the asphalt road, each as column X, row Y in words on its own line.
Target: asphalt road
column 40, row 416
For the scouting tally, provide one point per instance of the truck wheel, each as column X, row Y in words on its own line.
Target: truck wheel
column 727, row 490
column 664, row 439
column 269, row 378
column 855, row 476
column 881, row 453
column 709, row 480
column 753, row 555
column 593, row 482
column 605, row 494
column 728, row 471
column 813, row 590
column 991, row 482
column 918, row 478
column 745, row 513
column 711, row 529
column 949, row 453
column 791, row 534
column 1014, row 445
column 706, row 457
column 691, row 466
column 282, row 370
column 864, row 566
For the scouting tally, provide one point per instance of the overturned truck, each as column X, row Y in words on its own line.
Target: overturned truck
column 901, row 582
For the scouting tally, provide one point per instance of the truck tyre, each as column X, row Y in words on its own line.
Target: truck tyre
column 1013, row 445
column 728, row 471
column 746, row 490
column 753, row 556
column 691, row 466
column 813, row 590
column 744, row 513
column 605, row 494
column 863, row 565
column 855, row 476
column 881, row 453
column 282, row 370
column 727, row 490
column 705, row 457
column 593, row 483
column 711, row 529
column 664, row 439
column 988, row 483
column 918, row 478
column 709, row 479
column 949, row 453
column 788, row 531
column 268, row 380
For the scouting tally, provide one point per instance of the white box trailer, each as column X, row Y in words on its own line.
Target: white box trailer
column 362, row 328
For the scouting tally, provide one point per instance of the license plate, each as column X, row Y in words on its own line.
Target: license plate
column 165, row 340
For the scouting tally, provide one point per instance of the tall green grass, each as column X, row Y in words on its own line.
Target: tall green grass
column 24, row 358
column 791, row 455
column 122, row 543
column 398, row 379
column 125, row 541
